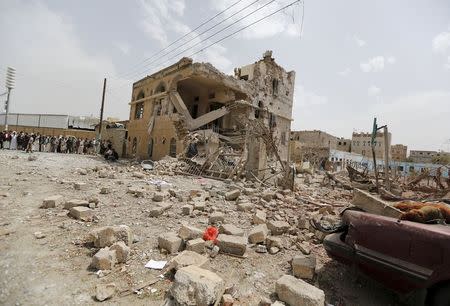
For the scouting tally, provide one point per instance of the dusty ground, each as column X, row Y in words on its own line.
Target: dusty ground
column 54, row 270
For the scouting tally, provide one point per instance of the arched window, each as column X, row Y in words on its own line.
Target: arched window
column 173, row 148
column 140, row 95
column 161, row 88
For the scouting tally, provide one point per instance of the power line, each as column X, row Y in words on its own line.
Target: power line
column 152, row 63
column 185, row 35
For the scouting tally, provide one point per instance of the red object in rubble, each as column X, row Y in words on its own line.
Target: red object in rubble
column 211, row 233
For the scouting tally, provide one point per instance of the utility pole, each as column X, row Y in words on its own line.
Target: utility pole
column 387, row 182
column 10, row 81
column 373, row 144
column 101, row 111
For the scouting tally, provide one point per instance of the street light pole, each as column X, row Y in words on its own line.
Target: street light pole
column 10, row 82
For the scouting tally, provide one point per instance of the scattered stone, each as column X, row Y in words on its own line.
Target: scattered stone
column 4, row 194
column 260, row 248
column 230, row 229
column 278, row 227
column 296, row 292
column 303, row 223
column 105, row 291
column 259, row 217
column 39, row 235
column 188, row 232
column 108, row 235
column 236, row 245
column 82, row 171
column 52, row 202
column 305, row 248
column 105, row 190
column 103, row 174
column 215, row 251
column 139, row 175
column 199, row 206
column 158, row 197
column 82, row 213
column 136, row 191
column 274, row 242
column 187, row 258
column 74, row 203
column 32, row 158
column 170, row 242
column 258, row 234
column 196, row 245
column 197, row 286
column 319, row 235
column 216, row 217
column 187, row 209
column 303, row 266
column 273, row 250
column 246, row 206
column 232, row 195
column 227, row 300
column 268, row 196
column 104, row 259
column 122, row 251
column 80, row 186
column 265, row 301
column 160, row 209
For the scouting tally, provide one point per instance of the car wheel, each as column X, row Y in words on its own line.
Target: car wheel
column 440, row 296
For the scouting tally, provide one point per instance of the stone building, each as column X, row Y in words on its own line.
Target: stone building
column 344, row 145
column 188, row 97
column 361, row 144
column 311, row 146
column 399, row 152
column 420, row 156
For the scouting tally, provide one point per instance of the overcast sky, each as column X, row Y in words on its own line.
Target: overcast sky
column 353, row 59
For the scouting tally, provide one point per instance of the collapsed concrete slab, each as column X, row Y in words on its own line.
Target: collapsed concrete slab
column 108, row 235
column 296, row 292
column 371, row 204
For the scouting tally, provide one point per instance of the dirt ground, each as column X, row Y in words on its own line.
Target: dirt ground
column 54, row 270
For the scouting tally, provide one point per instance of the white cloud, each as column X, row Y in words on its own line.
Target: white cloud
column 123, row 47
column 345, row 72
column 375, row 64
column 286, row 22
column 391, row 60
column 55, row 74
column 441, row 42
column 361, row 43
column 447, row 65
column 305, row 98
column 373, row 91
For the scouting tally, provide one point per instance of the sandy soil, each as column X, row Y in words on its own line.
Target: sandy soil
column 55, row 270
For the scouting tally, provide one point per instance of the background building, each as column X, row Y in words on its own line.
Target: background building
column 399, row 152
column 344, row 144
column 361, row 144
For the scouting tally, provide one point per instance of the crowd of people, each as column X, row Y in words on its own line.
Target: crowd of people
column 54, row 144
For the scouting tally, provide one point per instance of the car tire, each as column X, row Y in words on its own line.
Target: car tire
column 440, row 295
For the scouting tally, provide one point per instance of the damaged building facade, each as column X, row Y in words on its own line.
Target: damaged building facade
column 194, row 109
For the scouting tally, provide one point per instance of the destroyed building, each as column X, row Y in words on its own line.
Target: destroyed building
column 398, row 152
column 193, row 107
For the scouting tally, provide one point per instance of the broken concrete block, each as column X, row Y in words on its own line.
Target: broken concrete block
column 187, row 258
column 170, row 242
column 188, row 232
column 136, row 191
column 139, row 175
column 278, row 227
column 371, row 204
column 187, row 209
column 268, row 196
column 304, row 247
column 296, row 292
column 199, row 206
column 227, row 300
column 236, row 245
column 273, row 250
column 122, row 251
column 259, row 217
column 82, row 213
column 108, row 235
column 158, row 196
column 52, row 202
column 196, row 245
column 216, row 217
column 105, row 190
column 75, row 202
column 197, row 286
column 105, row 291
column 260, row 248
column 230, row 229
column 160, row 209
column 274, row 242
column 258, row 234
column 232, row 195
column 246, row 206
column 303, row 266
column 104, row 259
column 303, row 223
column 80, row 186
